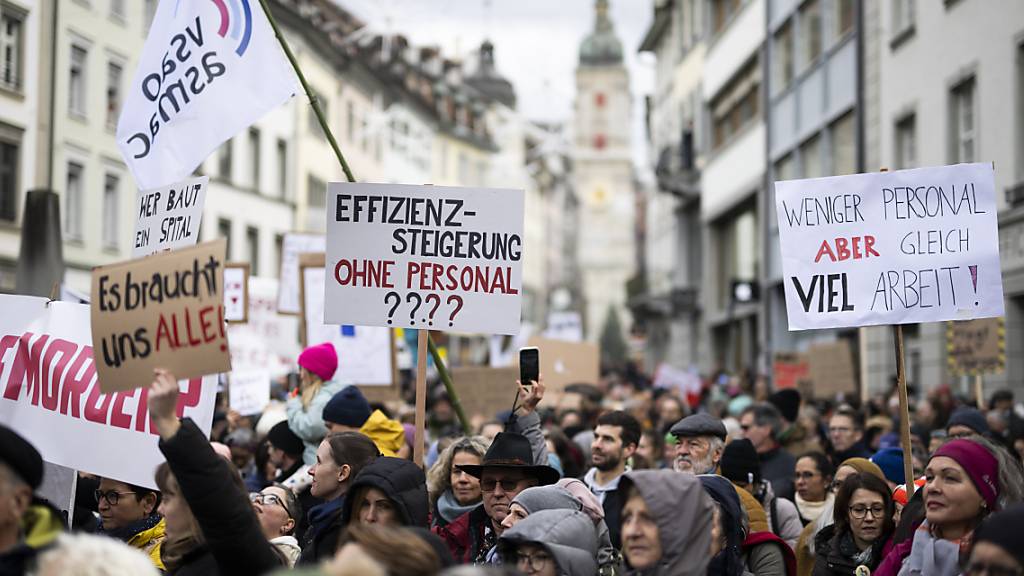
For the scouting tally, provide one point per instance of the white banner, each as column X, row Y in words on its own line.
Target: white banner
column 901, row 247
column 424, row 257
column 294, row 246
column 206, row 72
column 249, row 391
column 364, row 352
column 49, row 393
column 168, row 217
column 268, row 341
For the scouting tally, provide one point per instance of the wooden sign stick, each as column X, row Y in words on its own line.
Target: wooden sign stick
column 421, row 395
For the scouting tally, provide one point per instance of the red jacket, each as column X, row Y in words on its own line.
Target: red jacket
column 465, row 534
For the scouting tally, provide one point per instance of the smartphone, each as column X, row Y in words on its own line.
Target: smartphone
column 529, row 365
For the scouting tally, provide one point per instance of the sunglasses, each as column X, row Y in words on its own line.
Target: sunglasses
column 508, row 484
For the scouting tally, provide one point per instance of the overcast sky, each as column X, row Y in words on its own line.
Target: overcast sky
column 536, row 43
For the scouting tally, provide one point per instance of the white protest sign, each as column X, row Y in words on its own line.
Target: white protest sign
column 364, row 352
column 424, row 257
column 566, row 326
column 268, row 341
column 49, row 393
column 249, row 391
column 168, row 217
column 236, row 291
column 292, row 248
column 901, row 247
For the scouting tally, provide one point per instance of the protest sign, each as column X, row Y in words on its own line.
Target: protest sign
column 566, row 326
column 424, row 257
column 165, row 310
column 168, row 218
column 563, row 363
column 485, row 391
column 976, row 346
column 49, row 393
column 830, row 368
column 198, row 85
column 789, row 369
column 249, row 391
column 890, row 248
column 364, row 352
column 236, row 292
column 292, row 248
column 268, row 341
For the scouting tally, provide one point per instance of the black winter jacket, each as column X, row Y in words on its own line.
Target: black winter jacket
column 833, row 554
column 402, row 481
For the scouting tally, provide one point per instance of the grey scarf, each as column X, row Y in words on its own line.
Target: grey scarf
column 450, row 509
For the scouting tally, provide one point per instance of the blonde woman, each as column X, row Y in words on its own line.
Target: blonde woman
column 452, row 491
column 317, row 365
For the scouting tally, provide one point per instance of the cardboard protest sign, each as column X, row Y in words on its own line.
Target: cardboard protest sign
column 166, row 310
column 364, row 352
column 249, row 391
column 292, row 248
column 49, row 393
column 976, row 346
column 424, row 257
column 563, row 363
column 169, row 217
column 485, row 391
column 236, row 292
column 789, row 370
column 890, row 248
column 831, row 369
column 268, row 341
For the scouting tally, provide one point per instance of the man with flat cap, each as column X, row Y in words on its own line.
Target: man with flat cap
column 27, row 524
column 515, row 461
column 701, row 443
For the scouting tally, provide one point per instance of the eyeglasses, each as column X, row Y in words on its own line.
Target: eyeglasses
column 535, row 561
column 859, row 512
column 839, row 430
column 746, row 427
column 977, row 568
column 112, row 496
column 507, row 484
column 268, row 500
column 804, row 475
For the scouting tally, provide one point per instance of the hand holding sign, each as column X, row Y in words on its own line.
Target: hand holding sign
column 163, row 403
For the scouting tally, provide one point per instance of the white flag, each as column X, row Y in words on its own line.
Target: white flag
column 209, row 69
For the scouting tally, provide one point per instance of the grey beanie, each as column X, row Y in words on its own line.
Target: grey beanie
column 540, row 498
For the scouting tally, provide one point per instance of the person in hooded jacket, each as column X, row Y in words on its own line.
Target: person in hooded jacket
column 349, row 411
column 389, row 491
column 740, row 465
column 863, row 524
column 658, row 540
column 551, row 543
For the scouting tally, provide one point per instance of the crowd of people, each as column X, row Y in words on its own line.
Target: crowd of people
column 616, row 477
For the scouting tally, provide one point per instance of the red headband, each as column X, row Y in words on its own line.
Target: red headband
column 980, row 465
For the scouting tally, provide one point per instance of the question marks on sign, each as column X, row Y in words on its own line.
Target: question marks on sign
column 398, row 300
column 437, row 303
column 419, row 300
column 458, row 299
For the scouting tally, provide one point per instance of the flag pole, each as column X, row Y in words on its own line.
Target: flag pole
column 315, row 103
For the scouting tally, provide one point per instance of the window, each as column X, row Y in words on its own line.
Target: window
column 73, row 202
column 252, row 241
column 902, row 19
column 316, row 198
column 114, row 71
column 962, row 122
column 150, row 9
column 254, row 149
column 282, row 168
column 906, row 142
column 810, row 34
column 737, row 105
column 810, row 155
column 785, row 168
column 117, row 9
column 224, row 231
column 9, row 158
column 278, row 253
column 844, row 149
column 224, row 161
column 76, row 81
column 11, row 48
column 843, row 16
column 721, row 12
column 782, row 45
column 111, row 198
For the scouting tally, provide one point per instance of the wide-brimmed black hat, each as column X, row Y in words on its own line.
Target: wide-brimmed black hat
column 512, row 451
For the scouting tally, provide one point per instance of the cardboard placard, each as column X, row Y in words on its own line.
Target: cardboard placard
column 236, row 292
column 249, row 391
column 364, row 352
column 166, row 310
column 976, row 346
column 900, row 247
column 485, row 391
column 432, row 257
column 50, row 394
column 169, row 217
column 293, row 247
column 831, row 370
column 268, row 341
column 563, row 363
column 790, row 370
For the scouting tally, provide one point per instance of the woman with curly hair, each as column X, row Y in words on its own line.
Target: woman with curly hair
column 452, row 491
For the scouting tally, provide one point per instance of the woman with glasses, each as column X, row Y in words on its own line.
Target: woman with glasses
column 452, row 491
column 129, row 513
column 278, row 510
column 863, row 524
column 998, row 548
column 813, row 481
column 551, row 543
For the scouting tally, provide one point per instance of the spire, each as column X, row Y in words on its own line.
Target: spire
column 601, row 47
column 487, row 79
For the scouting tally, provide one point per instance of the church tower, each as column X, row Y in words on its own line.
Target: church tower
column 603, row 174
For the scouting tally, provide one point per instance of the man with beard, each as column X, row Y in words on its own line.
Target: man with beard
column 701, row 443
column 615, row 440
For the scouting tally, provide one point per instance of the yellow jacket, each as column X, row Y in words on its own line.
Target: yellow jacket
column 149, row 541
column 387, row 434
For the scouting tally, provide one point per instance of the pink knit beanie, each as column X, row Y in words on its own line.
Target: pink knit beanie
column 321, row 360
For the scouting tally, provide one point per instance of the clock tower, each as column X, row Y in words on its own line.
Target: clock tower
column 603, row 174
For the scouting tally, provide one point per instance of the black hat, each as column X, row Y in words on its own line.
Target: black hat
column 699, row 425
column 282, row 437
column 788, row 403
column 511, row 450
column 739, row 462
column 969, row 417
column 21, row 457
column 1003, row 530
